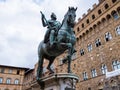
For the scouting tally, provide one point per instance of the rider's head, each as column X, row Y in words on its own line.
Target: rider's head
column 53, row 16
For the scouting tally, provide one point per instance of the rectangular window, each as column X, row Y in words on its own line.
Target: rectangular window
column 85, row 77
column 94, row 73
column 2, row 70
column 82, row 52
column 89, row 47
column 108, row 36
column 118, row 30
column 103, row 69
column 116, row 65
column 97, row 42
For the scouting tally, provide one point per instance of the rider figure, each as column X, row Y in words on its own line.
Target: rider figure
column 52, row 28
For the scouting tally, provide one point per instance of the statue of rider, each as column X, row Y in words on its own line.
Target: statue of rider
column 52, row 28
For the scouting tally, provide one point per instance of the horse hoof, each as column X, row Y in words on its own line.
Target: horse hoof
column 69, row 71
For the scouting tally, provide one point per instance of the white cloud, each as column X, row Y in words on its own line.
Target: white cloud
column 21, row 30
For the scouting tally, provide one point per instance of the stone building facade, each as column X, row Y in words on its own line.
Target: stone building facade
column 11, row 77
column 98, row 45
column 98, row 48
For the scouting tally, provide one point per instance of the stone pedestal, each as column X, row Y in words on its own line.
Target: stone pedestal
column 60, row 81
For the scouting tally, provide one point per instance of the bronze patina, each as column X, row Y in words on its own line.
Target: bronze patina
column 58, row 38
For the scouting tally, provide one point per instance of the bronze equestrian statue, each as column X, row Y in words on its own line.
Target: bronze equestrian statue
column 58, row 38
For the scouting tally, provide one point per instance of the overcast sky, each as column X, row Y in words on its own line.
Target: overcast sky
column 21, row 30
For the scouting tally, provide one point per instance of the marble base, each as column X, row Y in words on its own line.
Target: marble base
column 60, row 81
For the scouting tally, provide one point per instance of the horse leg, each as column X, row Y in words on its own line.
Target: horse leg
column 40, row 67
column 51, row 60
column 69, row 64
column 69, row 57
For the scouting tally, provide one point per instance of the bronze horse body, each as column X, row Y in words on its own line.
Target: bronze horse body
column 65, row 40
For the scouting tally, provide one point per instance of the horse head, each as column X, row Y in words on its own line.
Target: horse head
column 70, row 16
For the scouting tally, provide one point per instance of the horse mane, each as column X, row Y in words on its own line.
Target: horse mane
column 64, row 18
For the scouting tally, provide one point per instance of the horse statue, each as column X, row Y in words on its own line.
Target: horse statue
column 65, row 41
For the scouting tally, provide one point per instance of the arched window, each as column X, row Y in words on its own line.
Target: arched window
column 108, row 36
column 108, row 17
column 16, row 81
column 90, row 29
column 98, row 23
column 106, row 6
column 103, row 69
column 115, row 15
column 8, row 81
column 93, row 16
column 94, row 26
column 99, row 11
column 116, row 64
column 103, row 20
column 80, row 36
column 82, row 25
column 113, row 1
column 118, row 10
column 87, row 21
column 117, row 29
column 78, row 29
column 77, row 39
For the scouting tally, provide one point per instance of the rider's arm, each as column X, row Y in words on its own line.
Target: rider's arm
column 44, row 22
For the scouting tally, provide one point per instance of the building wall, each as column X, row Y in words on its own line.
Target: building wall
column 15, row 74
column 28, row 78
